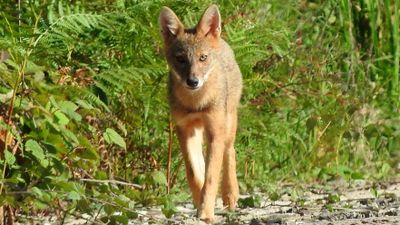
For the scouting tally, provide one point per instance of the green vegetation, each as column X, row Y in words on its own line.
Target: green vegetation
column 84, row 122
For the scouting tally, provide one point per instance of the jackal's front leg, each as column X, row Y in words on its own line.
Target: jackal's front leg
column 190, row 139
column 215, row 131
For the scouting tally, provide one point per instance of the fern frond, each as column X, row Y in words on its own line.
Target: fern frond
column 66, row 28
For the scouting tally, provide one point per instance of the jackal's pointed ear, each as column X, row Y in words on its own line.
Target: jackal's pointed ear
column 210, row 22
column 170, row 25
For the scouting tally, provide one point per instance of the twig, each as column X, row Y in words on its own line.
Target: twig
column 97, row 215
column 169, row 156
column 111, row 182
column 324, row 130
column 122, row 207
column 63, row 218
column 175, row 176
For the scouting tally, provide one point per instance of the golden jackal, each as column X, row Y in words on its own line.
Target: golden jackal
column 204, row 86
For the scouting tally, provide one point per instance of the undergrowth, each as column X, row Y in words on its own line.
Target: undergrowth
column 84, row 123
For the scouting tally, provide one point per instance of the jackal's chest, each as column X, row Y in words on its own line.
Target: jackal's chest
column 195, row 120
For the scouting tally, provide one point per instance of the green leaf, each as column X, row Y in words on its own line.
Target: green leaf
column 84, row 104
column 121, row 219
column 159, row 178
column 31, row 67
column 65, row 185
column 40, row 204
column 10, row 158
column 333, row 198
column 112, row 137
column 69, row 135
column 73, row 195
column 53, row 101
column 6, row 96
column 101, row 175
column 332, row 19
column 34, row 147
column 69, row 108
column 252, row 201
column 90, row 152
column 62, row 119
column 109, row 209
column 37, row 151
column 169, row 208
column 131, row 214
column 55, row 143
column 37, row 192
column 274, row 196
column 357, row 175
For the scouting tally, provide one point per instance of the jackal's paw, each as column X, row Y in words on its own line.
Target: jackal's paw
column 206, row 216
column 230, row 200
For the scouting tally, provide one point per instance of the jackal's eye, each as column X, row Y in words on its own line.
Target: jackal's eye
column 180, row 59
column 203, row 58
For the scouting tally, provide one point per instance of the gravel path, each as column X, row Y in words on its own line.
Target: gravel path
column 335, row 204
column 361, row 204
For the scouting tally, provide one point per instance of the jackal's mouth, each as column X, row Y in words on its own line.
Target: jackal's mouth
column 192, row 88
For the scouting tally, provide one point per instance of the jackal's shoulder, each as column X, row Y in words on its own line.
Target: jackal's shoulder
column 226, row 56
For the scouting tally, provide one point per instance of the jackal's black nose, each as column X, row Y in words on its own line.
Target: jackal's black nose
column 192, row 82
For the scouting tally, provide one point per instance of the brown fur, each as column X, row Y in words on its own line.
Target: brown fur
column 209, row 109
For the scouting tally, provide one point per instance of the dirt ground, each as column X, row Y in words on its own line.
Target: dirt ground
column 363, row 203
column 335, row 204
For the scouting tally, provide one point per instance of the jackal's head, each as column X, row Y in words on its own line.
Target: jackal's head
column 191, row 53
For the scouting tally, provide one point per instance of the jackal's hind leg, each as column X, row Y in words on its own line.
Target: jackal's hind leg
column 230, row 187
